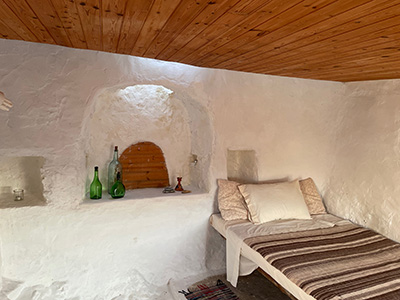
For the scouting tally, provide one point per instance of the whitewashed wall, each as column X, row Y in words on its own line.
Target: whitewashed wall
column 364, row 184
column 129, row 250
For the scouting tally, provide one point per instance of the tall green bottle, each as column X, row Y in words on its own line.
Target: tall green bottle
column 113, row 168
column 118, row 188
column 95, row 186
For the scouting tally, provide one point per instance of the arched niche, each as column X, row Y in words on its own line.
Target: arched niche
column 179, row 125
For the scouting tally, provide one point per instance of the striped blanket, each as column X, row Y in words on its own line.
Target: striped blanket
column 342, row 262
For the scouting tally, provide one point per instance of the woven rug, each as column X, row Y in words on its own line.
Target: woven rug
column 218, row 292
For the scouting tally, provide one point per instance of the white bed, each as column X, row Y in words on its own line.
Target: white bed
column 242, row 260
column 284, row 229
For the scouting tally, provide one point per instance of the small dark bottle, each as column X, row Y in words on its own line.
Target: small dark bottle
column 179, row 185
column 95, row 186
column 118, row 188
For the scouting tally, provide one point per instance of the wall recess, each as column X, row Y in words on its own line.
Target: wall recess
column 122, row 116
column 242, row 166
column 21, row 173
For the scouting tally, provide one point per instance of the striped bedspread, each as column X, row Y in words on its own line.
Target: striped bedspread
column 341, row 262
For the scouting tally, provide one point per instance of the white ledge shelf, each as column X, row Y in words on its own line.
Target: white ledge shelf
column 143, row 194
column 7, row 201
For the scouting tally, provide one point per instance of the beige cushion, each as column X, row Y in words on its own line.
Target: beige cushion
column 312, row 197
column 268, row 202
column 230, row 201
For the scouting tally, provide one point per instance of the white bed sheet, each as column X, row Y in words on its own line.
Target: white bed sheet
column 242, row 260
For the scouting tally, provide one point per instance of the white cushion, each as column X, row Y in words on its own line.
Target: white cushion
column 268, row 202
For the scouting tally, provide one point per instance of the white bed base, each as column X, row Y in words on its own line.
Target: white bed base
column 278, row 278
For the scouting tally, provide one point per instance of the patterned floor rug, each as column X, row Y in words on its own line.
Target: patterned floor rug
column 203, row 292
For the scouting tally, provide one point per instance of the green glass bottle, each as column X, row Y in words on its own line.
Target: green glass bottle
column 113, row 168
column 118, row 188
column 95, row 186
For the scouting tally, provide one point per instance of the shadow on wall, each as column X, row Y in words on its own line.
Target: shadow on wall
column 179, row 125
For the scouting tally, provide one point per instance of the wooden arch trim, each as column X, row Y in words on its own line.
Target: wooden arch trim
column 143, row 166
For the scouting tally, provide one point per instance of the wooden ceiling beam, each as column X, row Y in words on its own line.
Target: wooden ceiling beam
column 89, row 12
column 48, row 16
column 348, row 28
column 382, row 39
column 179, row 20
column 135, row 15
column 14, row 23
column 7, row 33
column 345, row 76
column 320, row 39
column 235, row 16
column 23, row 11
column 365, row 77
column 284, row 24
column 158, row 16
column 196, row 28
column 71, row 22
column 249, row 26
column 356, row 76
column 367, row 64
column 338, row 49
column 337, row 58
column 113, row 12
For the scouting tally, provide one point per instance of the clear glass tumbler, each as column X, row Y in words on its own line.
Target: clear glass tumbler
column 18, row 194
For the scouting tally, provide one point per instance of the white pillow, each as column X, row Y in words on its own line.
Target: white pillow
column 268, row 202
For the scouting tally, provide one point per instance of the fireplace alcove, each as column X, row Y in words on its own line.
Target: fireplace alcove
column 175, row 122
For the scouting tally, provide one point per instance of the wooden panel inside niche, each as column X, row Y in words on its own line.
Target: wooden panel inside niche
column 143, row 166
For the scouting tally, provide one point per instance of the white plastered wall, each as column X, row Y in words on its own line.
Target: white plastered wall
column 364, row 184
column 70, row 251
column 67, row 250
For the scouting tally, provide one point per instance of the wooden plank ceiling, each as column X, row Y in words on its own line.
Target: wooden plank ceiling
column 341, row 40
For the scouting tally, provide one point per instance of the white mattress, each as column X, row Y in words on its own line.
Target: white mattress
column 221, row 226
